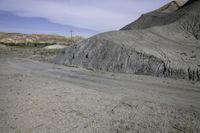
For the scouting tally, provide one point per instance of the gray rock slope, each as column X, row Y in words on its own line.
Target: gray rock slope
column 162, row 43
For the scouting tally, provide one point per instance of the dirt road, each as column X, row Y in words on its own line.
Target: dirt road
column 40, row 97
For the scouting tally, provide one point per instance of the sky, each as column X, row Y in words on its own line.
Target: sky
column 84, row 17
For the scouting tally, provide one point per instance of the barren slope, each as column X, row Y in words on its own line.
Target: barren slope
column 169, row 49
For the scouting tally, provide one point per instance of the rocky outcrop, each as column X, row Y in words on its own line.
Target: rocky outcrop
column 165, row 50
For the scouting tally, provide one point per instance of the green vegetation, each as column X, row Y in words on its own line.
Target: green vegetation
column 29, row 45
column 36, row 40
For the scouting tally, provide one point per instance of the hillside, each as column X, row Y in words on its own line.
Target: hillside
column 182, row 18
column 167, row 14
column 28, row 39
column 164, row 44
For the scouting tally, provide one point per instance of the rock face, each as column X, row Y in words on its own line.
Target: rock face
column 162, row 43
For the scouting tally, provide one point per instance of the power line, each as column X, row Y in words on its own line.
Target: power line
column 71, row 33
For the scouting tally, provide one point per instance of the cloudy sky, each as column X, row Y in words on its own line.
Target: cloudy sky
column 84, row 17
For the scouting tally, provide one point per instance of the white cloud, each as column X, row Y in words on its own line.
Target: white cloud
column 91, row 14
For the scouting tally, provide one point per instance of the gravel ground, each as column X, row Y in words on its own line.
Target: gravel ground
column 40, row 97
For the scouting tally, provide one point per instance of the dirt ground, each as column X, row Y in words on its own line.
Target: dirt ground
column 40, row 97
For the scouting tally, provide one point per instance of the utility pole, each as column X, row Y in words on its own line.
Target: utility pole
column 71, row 32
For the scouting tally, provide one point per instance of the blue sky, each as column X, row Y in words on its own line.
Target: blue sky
column 84, row 17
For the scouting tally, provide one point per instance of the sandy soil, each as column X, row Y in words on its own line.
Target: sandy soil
column 40, row 97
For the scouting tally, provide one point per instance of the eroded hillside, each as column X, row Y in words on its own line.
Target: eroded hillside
column 158, row 44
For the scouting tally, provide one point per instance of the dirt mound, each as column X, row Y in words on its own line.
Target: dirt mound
column 156, row 47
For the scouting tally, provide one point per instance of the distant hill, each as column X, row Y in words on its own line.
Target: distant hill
column 29, row 39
